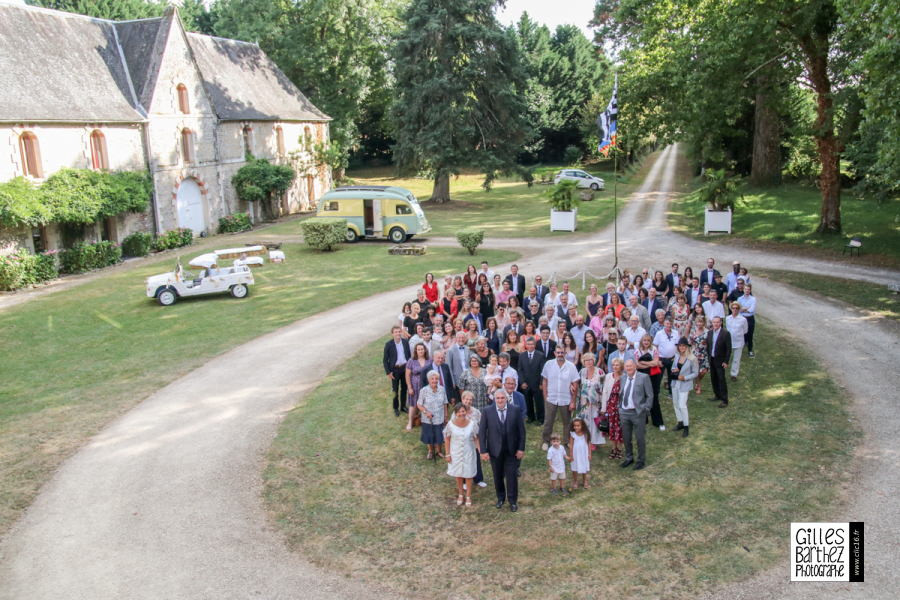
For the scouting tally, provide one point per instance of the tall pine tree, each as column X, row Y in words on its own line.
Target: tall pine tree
column 458, row 103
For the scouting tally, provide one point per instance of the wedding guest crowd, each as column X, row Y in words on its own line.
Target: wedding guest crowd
column 477, row 357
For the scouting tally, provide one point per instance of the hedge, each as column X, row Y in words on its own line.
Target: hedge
column 24, row 268
column 174, row 238
column 138, row 243
column 235, row 223
column 324, row 234
column 86, row 257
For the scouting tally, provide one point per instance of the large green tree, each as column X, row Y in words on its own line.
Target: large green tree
column 459, row 86
column 335, row 51
column 564, row 70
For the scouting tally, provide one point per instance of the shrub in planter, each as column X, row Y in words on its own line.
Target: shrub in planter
column 324, row 234
column 470, row 240
column 85, row 257
column 562, row 196
column 235, row 223
column 174, row 238
column 137, row 244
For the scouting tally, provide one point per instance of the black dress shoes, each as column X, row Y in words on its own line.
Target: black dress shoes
column 396, row 412
column 723, row 404
column 684, row 433
column 626, row 462
column 639, row 466
column 499, row 504
column 680, row 426
column 513, row 507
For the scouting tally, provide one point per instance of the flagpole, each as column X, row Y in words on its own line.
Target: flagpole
column 614, row 148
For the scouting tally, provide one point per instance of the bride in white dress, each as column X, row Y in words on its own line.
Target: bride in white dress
column 461, row 452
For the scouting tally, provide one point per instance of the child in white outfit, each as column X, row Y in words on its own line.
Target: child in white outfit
column 556, row 462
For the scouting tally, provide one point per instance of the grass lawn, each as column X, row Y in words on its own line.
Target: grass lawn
column 79, row 357
column 361, row 500
column 510, row 209
column 788, row 216
column 871, row 297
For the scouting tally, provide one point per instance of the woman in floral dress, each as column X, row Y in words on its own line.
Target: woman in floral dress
column 590, row 393
column 472, row 380
column 610, row 406
column 681, row 315
column 698, row 347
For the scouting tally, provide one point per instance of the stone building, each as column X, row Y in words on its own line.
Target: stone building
column 81, row 92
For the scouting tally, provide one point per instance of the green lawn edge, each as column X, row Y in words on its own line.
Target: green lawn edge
column 361, row 500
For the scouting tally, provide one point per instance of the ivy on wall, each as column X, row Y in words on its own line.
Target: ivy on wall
column 74, row 196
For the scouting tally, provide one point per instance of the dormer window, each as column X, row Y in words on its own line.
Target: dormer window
column 187, row 146
column 99, row 160
column 183, row 105
column 31, row 155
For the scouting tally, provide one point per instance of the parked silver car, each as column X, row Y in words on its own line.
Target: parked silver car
column 581, row 179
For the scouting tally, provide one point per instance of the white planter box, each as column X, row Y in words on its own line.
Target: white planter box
column 717, row 221
column 563, row 220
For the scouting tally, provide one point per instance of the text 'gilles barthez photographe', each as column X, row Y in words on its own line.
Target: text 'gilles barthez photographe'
column 827, row 551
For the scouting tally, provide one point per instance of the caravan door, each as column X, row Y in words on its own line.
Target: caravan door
column 377, row 218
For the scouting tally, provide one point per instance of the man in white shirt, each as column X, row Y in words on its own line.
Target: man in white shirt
column 573, row 301
column 713, row 308
column 634, row 332
column 748, row 311
column 736, row 324
column 559, row 384
column 665, row 341
column 487, row 272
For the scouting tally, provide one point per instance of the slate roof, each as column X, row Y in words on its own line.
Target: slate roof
column 61, row 67
column 245, row 85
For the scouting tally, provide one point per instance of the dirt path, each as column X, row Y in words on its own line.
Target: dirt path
column 165, row 503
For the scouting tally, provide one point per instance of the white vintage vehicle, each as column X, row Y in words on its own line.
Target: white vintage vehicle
column 168, row 287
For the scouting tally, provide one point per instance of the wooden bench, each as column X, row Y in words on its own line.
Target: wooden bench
column 854, row 244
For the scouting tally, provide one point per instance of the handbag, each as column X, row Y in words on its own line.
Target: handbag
column 602, row 423
column 655, row 370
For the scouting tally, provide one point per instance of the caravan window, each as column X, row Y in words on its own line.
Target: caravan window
column 332, row 206
column 404, row 209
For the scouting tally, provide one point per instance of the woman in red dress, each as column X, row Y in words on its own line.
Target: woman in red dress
column 431, row 288
column 470, row 280
column 610, row 406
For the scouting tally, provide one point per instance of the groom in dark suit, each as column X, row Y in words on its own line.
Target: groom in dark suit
column 502, row 438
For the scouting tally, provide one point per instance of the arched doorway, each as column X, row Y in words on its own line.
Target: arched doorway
column 189, row 202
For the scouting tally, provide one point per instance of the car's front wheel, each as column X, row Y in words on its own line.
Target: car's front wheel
column 397, row 235
column 167, row 297
column 595, row 186
column 351, row 236
column 239, row 290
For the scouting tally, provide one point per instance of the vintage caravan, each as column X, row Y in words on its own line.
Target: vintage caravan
column 376, row 211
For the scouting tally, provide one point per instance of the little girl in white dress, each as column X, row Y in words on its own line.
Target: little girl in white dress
column 581, row 453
